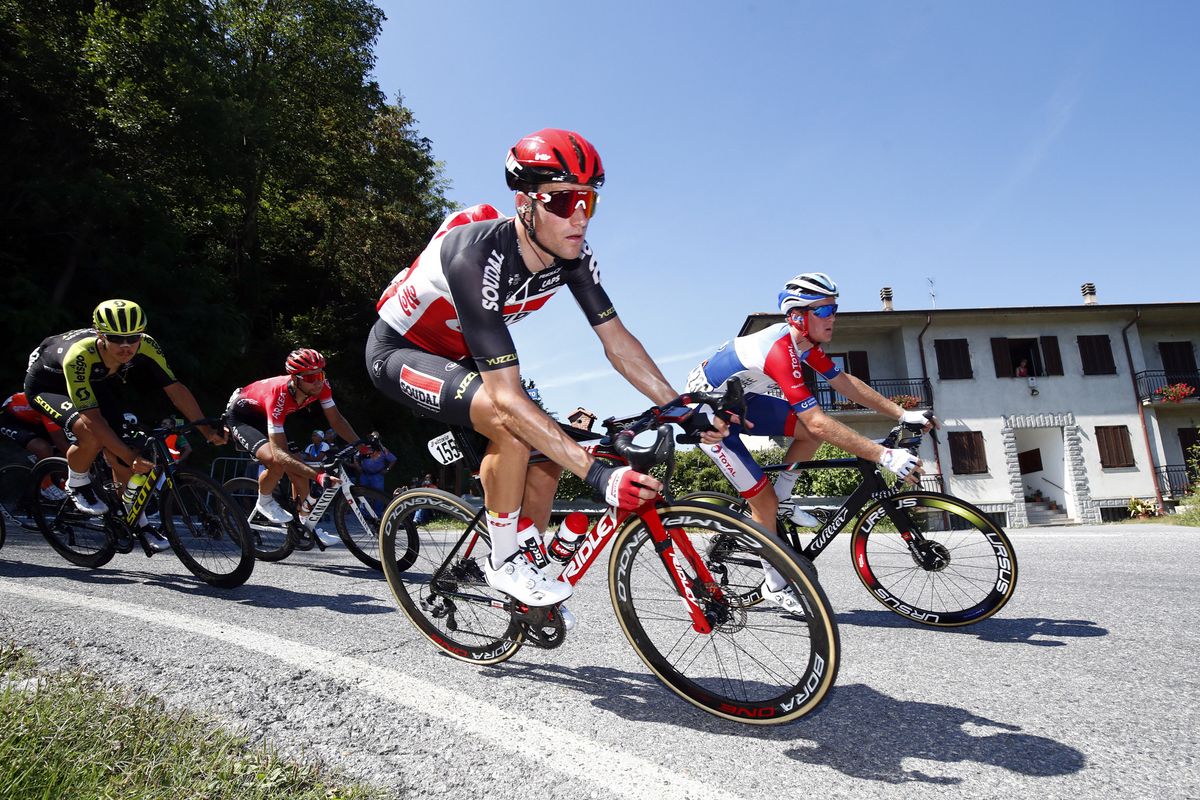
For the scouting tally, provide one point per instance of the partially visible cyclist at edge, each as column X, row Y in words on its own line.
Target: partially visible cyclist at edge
column 71, row 381
column 26, row 427
column 771, row 359
column 255, row 417
column 441, row 345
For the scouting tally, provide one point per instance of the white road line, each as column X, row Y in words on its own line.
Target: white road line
column 619, row 772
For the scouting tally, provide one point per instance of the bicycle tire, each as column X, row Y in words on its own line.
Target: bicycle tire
column 3, row 531
column 82, row 539
column 16, row 495
column 206, row 529
column 271, row 544
column 975, row 571
column 479, row 630
column 760, row 664
column 362, row 541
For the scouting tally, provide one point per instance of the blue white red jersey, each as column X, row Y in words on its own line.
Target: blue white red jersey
column 764, row 361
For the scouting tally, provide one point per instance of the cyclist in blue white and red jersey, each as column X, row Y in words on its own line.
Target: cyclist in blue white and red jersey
column 772, row 358
column 255, row 417
column 442, row 346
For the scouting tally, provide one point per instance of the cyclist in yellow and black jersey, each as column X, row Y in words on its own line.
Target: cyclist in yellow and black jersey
column 71, row 380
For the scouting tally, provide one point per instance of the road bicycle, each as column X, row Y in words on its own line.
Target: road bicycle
column 677, row 575
column 355, row 511
column 925, row 555
column 203, row 524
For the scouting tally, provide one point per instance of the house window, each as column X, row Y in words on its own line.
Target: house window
column 1040, row 355
column 967, row 456
column 1115, row 448
column 954, row 359
column 1096, row 354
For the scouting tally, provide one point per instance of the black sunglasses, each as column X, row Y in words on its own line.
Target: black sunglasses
column 116, row 338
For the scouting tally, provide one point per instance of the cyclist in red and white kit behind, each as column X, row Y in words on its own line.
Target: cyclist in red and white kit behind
column 441, row 345
column 772, row 359
column 255, row 417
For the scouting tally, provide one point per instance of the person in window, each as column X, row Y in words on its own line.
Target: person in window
column 1022, row 370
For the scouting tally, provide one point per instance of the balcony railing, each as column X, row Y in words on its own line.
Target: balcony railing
column 1152, row 382
column 1174, row 480
column 932, row 483
column 910, row 393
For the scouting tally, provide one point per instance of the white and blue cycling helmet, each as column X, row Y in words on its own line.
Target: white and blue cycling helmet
column 805, row 289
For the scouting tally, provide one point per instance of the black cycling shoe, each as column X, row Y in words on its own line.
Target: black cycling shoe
column 87, row 500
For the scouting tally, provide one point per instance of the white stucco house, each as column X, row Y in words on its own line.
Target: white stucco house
column 1089, row 427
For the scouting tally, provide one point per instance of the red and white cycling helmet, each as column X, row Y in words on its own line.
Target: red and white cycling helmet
column 304, row 359
column 552, row 155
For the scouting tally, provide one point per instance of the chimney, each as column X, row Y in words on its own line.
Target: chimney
column 885, row 294
column 1088, row 290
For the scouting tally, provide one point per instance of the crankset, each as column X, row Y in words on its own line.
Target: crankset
column 543, row 625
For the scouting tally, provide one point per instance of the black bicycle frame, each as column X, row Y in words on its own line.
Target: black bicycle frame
column 870, row 489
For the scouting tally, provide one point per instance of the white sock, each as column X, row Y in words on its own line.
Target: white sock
column 784, row 483
column 502, row 529
column 774, row 580
column 77, row 478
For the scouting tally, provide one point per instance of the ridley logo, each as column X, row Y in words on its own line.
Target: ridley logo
column 425, row 389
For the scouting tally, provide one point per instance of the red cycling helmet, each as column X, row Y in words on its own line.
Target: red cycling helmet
column 552, row 155
column 304, row 359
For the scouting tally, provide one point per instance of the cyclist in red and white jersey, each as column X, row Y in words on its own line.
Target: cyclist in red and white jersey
column 442, row 346
column 29, row 428
column 256, row 414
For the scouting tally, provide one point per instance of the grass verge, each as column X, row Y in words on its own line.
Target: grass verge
column 68, row 735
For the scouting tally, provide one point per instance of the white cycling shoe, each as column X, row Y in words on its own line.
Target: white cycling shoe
column 798, row 516
column 86, row 499
column 526, row 583
column 326, row 538
column 786, row 599
column 53, row 493
column 270, row 508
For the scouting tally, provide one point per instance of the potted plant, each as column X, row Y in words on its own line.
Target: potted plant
column 1141, row 508
column 1175, row 393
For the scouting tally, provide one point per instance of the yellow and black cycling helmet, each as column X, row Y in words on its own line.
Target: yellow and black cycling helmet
column 122, row 317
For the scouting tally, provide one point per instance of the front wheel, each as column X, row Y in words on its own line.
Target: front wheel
column 271, row 542
column 435, row 570
column 760, row 664
column 207, row 529
column 358, row 524
column 80, row 538
column 933, row 559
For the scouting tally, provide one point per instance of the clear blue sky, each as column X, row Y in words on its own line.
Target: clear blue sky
column 1010, row 151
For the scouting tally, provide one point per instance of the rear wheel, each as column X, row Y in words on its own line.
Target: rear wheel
column 960, row 569
column 760, row 663
column 358, row 523
column 80, row 538
column 435, row 571
column 207, row 530
column 271, row 542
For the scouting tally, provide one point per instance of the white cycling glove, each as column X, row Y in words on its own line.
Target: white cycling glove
column 901, row 462
column 914, row 418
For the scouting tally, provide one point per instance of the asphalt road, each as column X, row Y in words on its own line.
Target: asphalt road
column 1085, row 685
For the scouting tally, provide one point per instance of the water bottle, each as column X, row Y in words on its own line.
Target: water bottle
column 136, row 482
column 529, row 542
column 561, row 544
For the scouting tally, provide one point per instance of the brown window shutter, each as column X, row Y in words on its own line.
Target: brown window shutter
column 967, row 456
column 856, row 361
column 1002, row 358
column 1116, row 449
column 1051, row 357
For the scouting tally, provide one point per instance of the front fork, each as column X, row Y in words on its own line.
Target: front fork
column 676, row 550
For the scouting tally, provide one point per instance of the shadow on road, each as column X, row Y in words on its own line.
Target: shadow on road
column 104, row 576
column 859, row 732
column 1039, row 631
